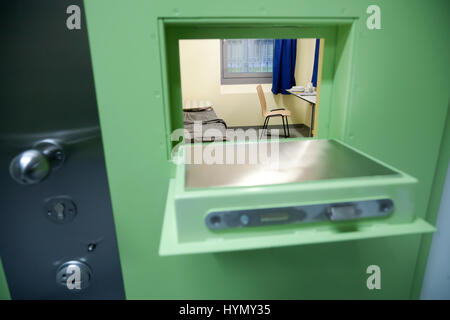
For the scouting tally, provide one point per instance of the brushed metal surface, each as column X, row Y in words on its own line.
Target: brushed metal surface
column 299, row 161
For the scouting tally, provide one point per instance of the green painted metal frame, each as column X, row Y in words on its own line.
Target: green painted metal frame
column 433, row 207
column 135, row 120
column 173, row 30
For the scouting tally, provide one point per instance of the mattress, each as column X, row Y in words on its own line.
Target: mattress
column 212, row 127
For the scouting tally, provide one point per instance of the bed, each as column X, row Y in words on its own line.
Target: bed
column 213, row 128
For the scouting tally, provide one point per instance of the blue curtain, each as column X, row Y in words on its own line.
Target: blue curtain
column 316, row 63
column 284, row 53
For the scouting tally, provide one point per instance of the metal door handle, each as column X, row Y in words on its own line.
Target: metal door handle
column 34, row 165
column 342, row 212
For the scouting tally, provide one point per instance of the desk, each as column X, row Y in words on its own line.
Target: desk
column 308, row 97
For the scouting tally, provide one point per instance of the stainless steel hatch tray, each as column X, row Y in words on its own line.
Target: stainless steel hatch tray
column 298, row 161
column 321, row 191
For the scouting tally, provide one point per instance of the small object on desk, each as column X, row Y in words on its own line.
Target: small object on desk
column 297, row 89
column 309, row 87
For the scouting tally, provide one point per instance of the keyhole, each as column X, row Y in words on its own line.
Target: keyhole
column 59, row 209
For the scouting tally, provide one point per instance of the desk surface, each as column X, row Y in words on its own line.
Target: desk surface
column 308, row 97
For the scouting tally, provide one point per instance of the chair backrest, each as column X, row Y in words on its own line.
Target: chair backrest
column 262, row 99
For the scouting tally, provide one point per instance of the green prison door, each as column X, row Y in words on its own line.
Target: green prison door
column 172, row 239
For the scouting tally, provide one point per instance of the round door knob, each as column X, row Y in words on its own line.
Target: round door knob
column 34, row 165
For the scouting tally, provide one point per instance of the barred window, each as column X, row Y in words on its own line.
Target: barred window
column 246, row 61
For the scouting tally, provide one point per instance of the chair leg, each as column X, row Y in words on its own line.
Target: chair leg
column 267, row 125
column 287, row 125
column 262, row 130
column 264, row 127
column 284, row 126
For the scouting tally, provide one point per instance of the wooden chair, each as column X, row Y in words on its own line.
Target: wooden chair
column 280, row 112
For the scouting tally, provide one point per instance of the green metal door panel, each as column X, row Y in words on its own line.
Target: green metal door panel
column 319, row 271
column 390, row 119
column 381, row 115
